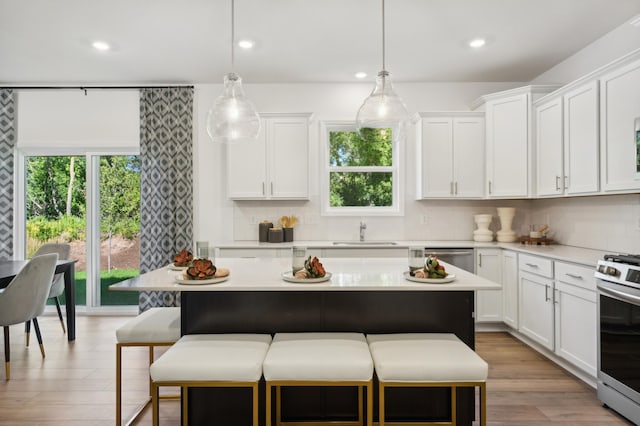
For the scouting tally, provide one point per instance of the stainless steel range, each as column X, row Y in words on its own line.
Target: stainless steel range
column 618, row 279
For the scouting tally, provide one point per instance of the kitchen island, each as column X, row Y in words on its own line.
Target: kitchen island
column 363, row 295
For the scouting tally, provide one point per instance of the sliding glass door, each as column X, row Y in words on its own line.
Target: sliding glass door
column 92, row 202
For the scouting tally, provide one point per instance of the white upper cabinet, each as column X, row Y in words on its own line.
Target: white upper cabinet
column 507, row 146
column 581, row 140
column 549, row 162
column 451, row 155
column 619, row 122
column 276, row 165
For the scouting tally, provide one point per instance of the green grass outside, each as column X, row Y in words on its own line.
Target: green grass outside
column 107, row 297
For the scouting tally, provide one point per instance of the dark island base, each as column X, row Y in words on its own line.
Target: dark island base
column 367, row 312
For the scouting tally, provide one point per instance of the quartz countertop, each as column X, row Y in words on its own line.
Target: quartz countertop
column 265, row 274
column 584, row 256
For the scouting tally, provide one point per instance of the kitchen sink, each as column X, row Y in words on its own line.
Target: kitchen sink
column 364, row 243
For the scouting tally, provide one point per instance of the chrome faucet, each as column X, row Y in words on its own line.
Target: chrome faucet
column 363, row 226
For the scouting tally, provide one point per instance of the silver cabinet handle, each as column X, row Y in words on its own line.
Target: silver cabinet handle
column 451, row 188
column 263, row 189
column 574, row 276
column 546, row 293
column 271, row 188
column 531, row 265
column 489, row 187
column 566, row 182
column 480, row 260
column 557, row 183
column 556, row 297
column 455, row 185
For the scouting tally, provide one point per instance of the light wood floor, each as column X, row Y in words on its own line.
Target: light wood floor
column 75, row 384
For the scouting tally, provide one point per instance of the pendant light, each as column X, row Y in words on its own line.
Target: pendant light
column 232, row 117
column 383, row 109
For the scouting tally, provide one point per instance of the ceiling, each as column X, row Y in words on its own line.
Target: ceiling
column 188, row 41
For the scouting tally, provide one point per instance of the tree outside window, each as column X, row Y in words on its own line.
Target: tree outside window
column 362, row 174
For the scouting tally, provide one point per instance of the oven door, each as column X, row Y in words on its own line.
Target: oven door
column 619, row 338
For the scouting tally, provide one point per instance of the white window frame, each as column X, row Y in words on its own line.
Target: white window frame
column 92, row 226
column 396, row 208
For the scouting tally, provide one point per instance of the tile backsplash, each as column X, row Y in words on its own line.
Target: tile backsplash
column 610, row 223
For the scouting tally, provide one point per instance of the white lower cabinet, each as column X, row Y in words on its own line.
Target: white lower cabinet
column 535, row 300
column 576, row 316
column 489, row 302
column 510, row 288
column 536, row 309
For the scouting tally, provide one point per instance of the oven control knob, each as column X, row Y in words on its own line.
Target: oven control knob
column 612, row 271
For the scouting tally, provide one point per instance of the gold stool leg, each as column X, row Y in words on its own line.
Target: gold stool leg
column 483, row 404
column 278, row 406
column 255, row 404
column 118, row 384
column 268, row 404
column 185, row 404
column 370, row 403
column 154, row 403
column 360, row 411
column 380, row 403
column 454, row 408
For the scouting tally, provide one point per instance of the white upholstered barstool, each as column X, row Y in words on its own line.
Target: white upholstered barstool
column 154, row 327
column 319, row 359
column 427, row 360
column 211, row 360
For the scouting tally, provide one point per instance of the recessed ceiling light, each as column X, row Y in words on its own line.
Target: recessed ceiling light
column 477, row 42
column 101, row 45
column 361, row 74
column 246, row 44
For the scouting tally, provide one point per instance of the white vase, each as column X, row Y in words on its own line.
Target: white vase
column 506, row 234
column 483, row 233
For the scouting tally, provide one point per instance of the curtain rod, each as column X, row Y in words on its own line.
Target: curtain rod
column 93, row 87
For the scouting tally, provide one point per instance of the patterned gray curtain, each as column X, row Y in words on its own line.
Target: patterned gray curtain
column 7, row 144
column 166, row 182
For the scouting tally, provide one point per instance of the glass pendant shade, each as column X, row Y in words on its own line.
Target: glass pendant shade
column 383, row 109
column 232, row 118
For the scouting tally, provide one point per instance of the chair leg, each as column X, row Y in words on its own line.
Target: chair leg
column 64, row 329
column 7, row 355
column 38, row 335
column 267, row 396
column 27, row 332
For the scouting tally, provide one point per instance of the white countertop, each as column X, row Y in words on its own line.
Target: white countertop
column 584, row 256
column 265, row 274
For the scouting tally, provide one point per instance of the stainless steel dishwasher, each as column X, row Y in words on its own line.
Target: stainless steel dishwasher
column 458, row 257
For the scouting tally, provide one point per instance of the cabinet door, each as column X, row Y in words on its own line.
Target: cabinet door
column 507, row 146
column 510, row 288
column 468, row 157
column 246, row 168
column 581, row 140
column 536, row 308
column 488, row 302
column 437, row 157
column 288, row 144
column 576, row 326
column 549, row 148
column 619, row 143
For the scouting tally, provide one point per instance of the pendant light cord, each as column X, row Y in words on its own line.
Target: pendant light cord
column 233, row 40
column 384, row 68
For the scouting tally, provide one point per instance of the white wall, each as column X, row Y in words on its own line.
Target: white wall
column 218, row 219
column 613, row 45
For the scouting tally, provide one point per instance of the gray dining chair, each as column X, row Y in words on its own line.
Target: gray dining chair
column 25, row 298
column 57, row 286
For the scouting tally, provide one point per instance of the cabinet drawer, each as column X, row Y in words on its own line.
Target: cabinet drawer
column 580, row 276
column 536, row 265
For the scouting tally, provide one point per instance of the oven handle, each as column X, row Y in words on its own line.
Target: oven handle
column 621, row 295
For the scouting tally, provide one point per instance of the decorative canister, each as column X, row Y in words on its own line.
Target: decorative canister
column 263, row 231
column 288, row 234
column 275, row 235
